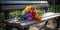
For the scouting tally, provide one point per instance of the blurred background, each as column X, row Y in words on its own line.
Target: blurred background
column 54, row 6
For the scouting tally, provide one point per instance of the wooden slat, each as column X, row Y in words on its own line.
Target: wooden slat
column 11, row 7
column 22, row 2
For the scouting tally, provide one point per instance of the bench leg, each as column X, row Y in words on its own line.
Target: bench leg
column 26, row 28
column 8, row 27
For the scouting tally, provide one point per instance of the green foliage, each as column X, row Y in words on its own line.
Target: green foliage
column 2, row 26
column 54, row 8
column 14, row 13
column 1, row 16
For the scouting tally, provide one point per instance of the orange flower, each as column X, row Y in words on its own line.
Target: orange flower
column 37, row 17
column 28, row 8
